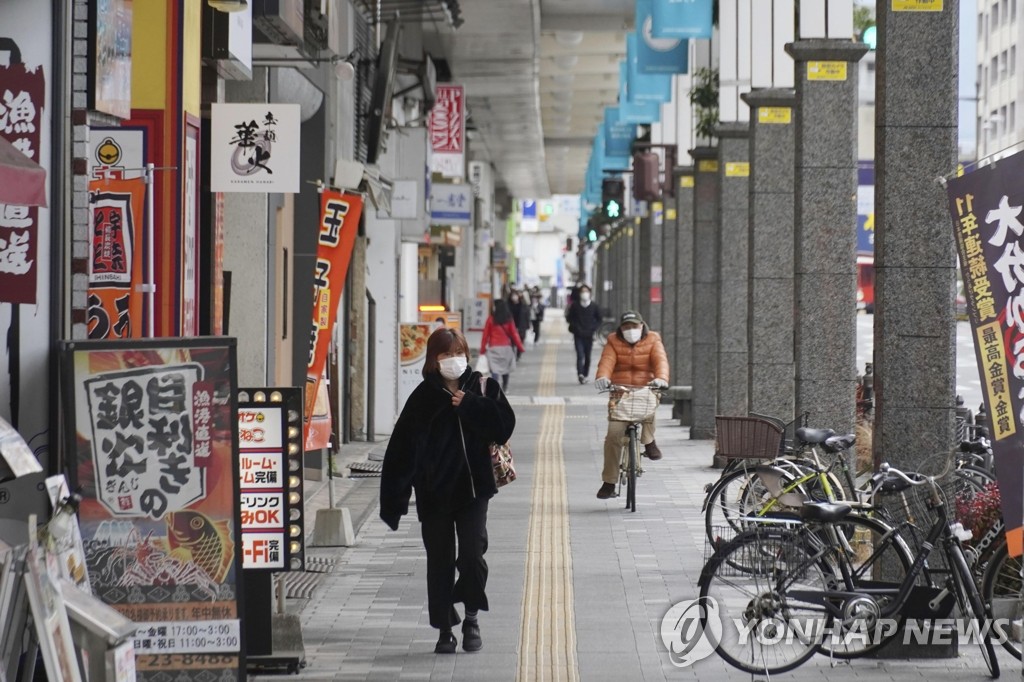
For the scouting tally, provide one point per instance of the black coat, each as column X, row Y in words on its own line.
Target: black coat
column 430, row 452
column 584, row 321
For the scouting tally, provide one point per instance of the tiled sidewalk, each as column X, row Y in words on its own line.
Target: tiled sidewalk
column 367, row 619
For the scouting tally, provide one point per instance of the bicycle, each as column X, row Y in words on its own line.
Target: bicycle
column 783, row 587
column 633, row 405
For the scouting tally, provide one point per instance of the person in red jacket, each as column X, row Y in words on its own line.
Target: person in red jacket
column 501, row 343
column 633, row 356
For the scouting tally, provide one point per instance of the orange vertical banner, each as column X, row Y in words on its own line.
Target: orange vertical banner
column 339, row 225
column 116, row 256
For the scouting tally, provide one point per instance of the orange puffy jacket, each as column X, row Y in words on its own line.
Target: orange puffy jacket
column 635, row 365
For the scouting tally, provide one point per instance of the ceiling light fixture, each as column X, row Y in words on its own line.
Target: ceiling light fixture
column 568, row 38
column 566, row 61
column 228, row 6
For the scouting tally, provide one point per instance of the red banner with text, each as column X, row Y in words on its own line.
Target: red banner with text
column 339, row 225
column 115, row 258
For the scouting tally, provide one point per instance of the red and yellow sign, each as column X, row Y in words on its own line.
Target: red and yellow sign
column 115, row 258
column 339, row 224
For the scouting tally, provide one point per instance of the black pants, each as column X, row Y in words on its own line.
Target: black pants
column 536, row 330
column 469, row 525
column 583, row 346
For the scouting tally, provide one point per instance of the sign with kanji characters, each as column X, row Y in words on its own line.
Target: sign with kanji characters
column 451, row 204
column 152, row 443
column 254, row 147
column 986, row 207
column 446, row 126
column 336, row 236
column 116, row 271
column 270, row 480
column 22, row 98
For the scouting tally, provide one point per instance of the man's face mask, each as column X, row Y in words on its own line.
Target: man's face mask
column 632, row 335
column 584, row 298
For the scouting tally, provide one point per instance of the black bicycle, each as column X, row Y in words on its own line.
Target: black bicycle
column 633, row 405
column 787, row 590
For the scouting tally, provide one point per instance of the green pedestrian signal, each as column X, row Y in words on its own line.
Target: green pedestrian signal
column 612, row 209
column 592, row 235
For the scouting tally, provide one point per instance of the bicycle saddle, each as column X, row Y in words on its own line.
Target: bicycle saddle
column 814, row 435
column 824, row 511
column 839, row 443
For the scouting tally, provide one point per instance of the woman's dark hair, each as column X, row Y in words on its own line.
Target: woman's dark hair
column 501, row 312
column 443, row 340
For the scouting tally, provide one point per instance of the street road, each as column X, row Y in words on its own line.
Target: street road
column 968, row 384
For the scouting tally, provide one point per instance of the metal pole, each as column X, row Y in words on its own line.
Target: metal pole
column 150, row 287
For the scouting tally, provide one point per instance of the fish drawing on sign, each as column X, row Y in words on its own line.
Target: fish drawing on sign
column 193, row 536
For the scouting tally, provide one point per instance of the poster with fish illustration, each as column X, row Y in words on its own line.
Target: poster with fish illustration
column 153, row 433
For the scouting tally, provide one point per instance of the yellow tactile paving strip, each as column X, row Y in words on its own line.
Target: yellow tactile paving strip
column 547, row 638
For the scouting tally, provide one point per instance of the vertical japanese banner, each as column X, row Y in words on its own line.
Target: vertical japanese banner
column 21, row 112
column 446, row 126
column 153, row 449
column 116, row 225
column 339, row 225
column 986, row 209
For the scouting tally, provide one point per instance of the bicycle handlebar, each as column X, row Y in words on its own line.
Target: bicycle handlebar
column 622, row 388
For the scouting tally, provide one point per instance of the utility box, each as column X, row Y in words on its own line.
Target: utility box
column 646, row 185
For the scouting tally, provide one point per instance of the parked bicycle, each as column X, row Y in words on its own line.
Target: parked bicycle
column 786, row 590
column 633, row 405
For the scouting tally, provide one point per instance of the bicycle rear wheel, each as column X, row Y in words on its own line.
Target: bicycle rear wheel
column 969, row 599
column 631, row 464
column 1000, row 589
column 771, row 618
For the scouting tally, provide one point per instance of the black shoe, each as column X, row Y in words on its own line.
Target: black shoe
column 471, row 637
column 652, row 451
column 446, row 643
column 607, row 491
column 582, row 379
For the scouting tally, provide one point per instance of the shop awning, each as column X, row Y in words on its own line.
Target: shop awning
column 22, row 180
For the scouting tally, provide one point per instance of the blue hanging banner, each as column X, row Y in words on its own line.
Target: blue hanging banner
column 644, row 87
column 635, row 113
column 684, row 19
column 657, row 55
column 618, row 137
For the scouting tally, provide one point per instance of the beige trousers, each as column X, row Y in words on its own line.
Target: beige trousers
column 614, row 441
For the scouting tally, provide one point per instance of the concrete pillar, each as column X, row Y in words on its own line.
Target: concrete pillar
column 771, row 388
column 734, row 219
column 682, row 291
column 826, row 230
column 669, row 271
column 915, row 253
column 650, row 273
column 644, row 259
column 705, row 292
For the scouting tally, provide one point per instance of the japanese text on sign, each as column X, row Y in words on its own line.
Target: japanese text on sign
column 976, row 268
column 263, row 550
column 171, row 637
column 147, row 451
column 990, row 340
column 826, row 71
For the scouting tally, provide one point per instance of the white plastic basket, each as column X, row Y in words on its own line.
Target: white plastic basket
column 638, row 405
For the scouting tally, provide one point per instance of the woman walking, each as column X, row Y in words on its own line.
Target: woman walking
column 501, row 343
column 520, row 311
column 441, row 448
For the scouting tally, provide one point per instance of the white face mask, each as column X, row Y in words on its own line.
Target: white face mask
column 452, row 368
column 584, row 298
column 631, row 335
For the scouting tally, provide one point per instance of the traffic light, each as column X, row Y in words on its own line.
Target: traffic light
column 613, row 192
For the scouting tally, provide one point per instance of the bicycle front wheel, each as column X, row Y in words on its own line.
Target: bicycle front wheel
column 969, row 599
column 1000, row 589
column 631, row 464
column 772, row 612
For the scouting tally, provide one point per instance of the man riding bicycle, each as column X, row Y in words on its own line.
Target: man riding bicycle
column 633, row 356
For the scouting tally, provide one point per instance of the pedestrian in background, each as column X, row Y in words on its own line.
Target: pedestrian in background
column 501, row 342
column 584, row 318
column 440, row 447
column 520, row 310
column 536, row 312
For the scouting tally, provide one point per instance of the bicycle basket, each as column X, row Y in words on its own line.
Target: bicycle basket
column 638, row 405
column 747, row 437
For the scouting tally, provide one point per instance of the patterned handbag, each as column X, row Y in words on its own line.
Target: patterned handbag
column 501, row 461
column 501, row 454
